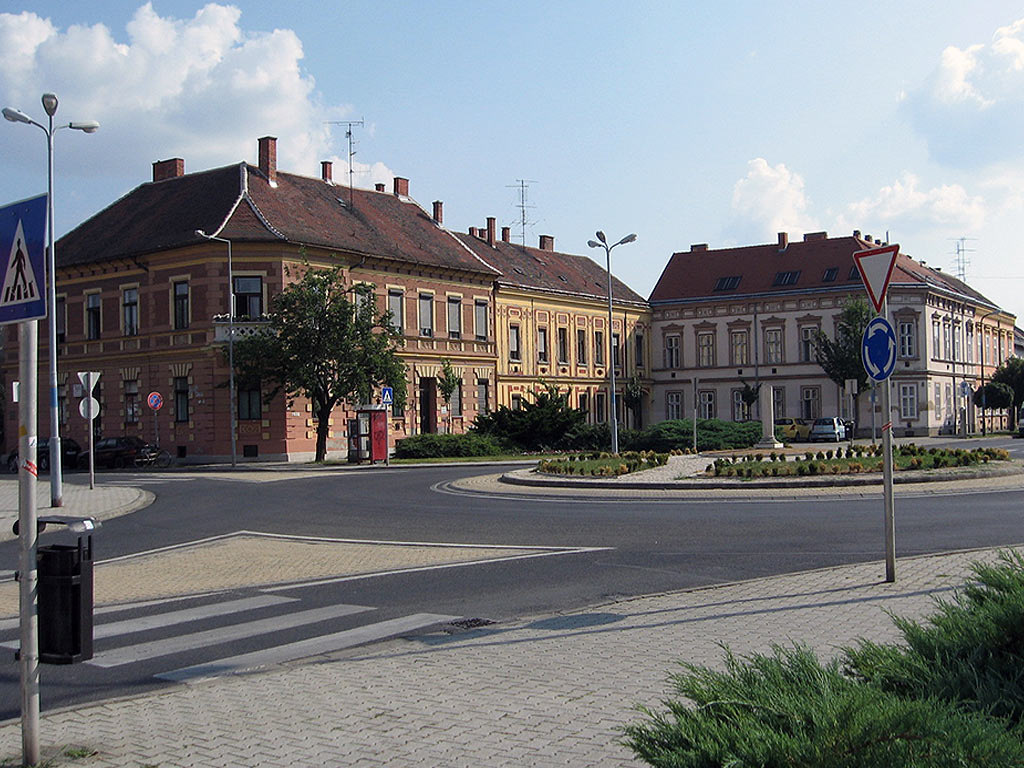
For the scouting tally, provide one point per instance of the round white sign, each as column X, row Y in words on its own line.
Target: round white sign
column 85, row 404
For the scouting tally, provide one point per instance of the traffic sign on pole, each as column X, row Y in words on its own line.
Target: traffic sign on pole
column 387, row 395
column 22, row 257
column 875, row 266
column 878, row 349
column 155, row 401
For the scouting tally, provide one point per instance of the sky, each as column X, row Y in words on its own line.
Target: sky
column 684, row 122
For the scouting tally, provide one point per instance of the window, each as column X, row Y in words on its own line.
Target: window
column 92, row 315
column 738, row 348
column 513, row 343
column 957, row 337
column 181, row 313
column 563, row 346
column 936, row 339
column 517, row 402
column 830, row 275
column 180, row 398
column 250, row 404
column 584, row 404
column 638, row 343
column 480, row 320
column 396, row 308
column 705, row 349
column 616, row 351
column 599, row 347
column 483, row 399
column 772, row 345
column 426, row 314
column 581, row 347
column 787, row 278
column 969, row 343
column 810, row 402
column 908, row 339
column 854, row 273
column 454, row 318
column 542, row 345
column 937, row 403
column 778, row 402
column 908, row 402
column 740, row 410
column 673, row 405
column 600, row 407
column 671, row 352
column 364, row 298
column 248, row 298
column 131, row 401
column 130, row 308
column 455, row 404
column 727, row 283
column 62, row 319
column 808, row 334
column 706, row 398
column 947, row 347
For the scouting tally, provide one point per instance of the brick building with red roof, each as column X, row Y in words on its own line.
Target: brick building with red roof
column 727, row 317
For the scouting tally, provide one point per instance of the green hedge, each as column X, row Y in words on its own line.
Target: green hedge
column 712, row 435
column 429, row 446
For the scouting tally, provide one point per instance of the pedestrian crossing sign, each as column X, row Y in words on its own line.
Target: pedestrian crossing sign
column 22, row 256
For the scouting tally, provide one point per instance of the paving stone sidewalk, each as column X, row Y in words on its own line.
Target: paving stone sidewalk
column 548, row 691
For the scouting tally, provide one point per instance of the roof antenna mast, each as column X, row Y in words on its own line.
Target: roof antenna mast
column 524, row 190
column 351, row 153
column 962, row 262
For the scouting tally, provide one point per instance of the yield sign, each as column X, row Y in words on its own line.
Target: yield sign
column 875, row 266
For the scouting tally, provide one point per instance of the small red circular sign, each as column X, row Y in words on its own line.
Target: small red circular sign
column 155, row 400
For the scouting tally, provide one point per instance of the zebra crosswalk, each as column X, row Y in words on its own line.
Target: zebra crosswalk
column 180, row 645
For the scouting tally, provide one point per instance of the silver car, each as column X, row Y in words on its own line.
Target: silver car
column 831, row 430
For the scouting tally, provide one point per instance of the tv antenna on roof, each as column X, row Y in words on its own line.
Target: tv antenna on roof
column 524, row 190
column 962, row 262
column 351, row 152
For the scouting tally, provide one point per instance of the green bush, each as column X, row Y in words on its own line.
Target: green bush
column 545, row 423
column 712, row 435
column 788, row 710
column 971, row 652
column 431, row 446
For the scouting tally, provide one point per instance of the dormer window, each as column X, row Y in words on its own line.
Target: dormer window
column 728, row 283
column 787, row 278
column 830, row 275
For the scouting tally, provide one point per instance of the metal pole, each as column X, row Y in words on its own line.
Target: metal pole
column 90, row 416
column 611, row 357
column 694, row 414
column 231, row 358
column 28, row 658
column 890, row 516
column 56, row 487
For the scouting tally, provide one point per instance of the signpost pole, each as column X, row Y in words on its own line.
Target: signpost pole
column 92, row 452
column 890, row 515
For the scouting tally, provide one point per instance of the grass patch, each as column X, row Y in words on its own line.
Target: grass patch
column 603, row 464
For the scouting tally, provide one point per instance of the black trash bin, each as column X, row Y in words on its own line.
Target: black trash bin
column 65, row 602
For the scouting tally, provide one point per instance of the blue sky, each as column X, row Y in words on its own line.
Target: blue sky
column 686, row 123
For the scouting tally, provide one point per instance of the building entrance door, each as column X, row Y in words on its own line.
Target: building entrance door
column 428, row 405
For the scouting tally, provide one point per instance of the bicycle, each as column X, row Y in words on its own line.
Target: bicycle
column 160, row 459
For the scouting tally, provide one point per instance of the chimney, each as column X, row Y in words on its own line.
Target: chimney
column 379, row 186
column 268, row 158
column 491, row 223
column 698, row 247
column 506, row 234
column 783, row 241
column 168, row 169
column 438, row 212
column 547, row 242
column 815, row 236
column 856, row 233
column 325, row 171
column 472, row 232
column 401, row 187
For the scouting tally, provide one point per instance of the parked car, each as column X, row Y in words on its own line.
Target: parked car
column 793, row 429
column 121, row 452
column 70, row 451
column 829, row 429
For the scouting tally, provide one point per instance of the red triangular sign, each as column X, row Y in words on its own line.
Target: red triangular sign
column 875, row 266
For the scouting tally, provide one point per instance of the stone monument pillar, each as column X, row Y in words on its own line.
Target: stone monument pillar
column 767, row 404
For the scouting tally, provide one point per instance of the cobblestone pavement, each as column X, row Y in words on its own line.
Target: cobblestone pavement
column 546, row 691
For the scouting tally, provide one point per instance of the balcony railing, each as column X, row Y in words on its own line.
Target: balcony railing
column 243, row 327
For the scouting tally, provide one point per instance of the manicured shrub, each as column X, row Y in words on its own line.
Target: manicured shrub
column 430, row 446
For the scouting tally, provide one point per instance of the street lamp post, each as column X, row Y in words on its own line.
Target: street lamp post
column 231, row 344
column 90, row 126
column 611, row 347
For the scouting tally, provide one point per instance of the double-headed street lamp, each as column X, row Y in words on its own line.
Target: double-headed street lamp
column 90, row 126
column 611, row 346
column 231, row 344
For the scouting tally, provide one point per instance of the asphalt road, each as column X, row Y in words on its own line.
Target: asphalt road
column 644, row 547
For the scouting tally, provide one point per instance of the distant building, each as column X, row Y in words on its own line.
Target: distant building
column 723, row 318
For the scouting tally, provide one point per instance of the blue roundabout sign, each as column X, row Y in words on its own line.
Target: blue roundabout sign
column 878, row 349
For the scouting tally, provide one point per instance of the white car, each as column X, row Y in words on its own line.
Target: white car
column 831, row 429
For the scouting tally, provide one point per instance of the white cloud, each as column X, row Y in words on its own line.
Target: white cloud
column 904, row 204
column 971, row 109
column 769, row 199
column 201, row 88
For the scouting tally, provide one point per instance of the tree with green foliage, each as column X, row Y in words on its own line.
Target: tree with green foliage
column 994, row 394
column 547, row 422
column 633, row 398
column 840, row 358
column 447, row 383
column 1011, row 373
column 326, row 342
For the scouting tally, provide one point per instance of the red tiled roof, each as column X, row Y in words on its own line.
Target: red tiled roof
column 695, row 274
column 525, row 267
column 163, row 215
